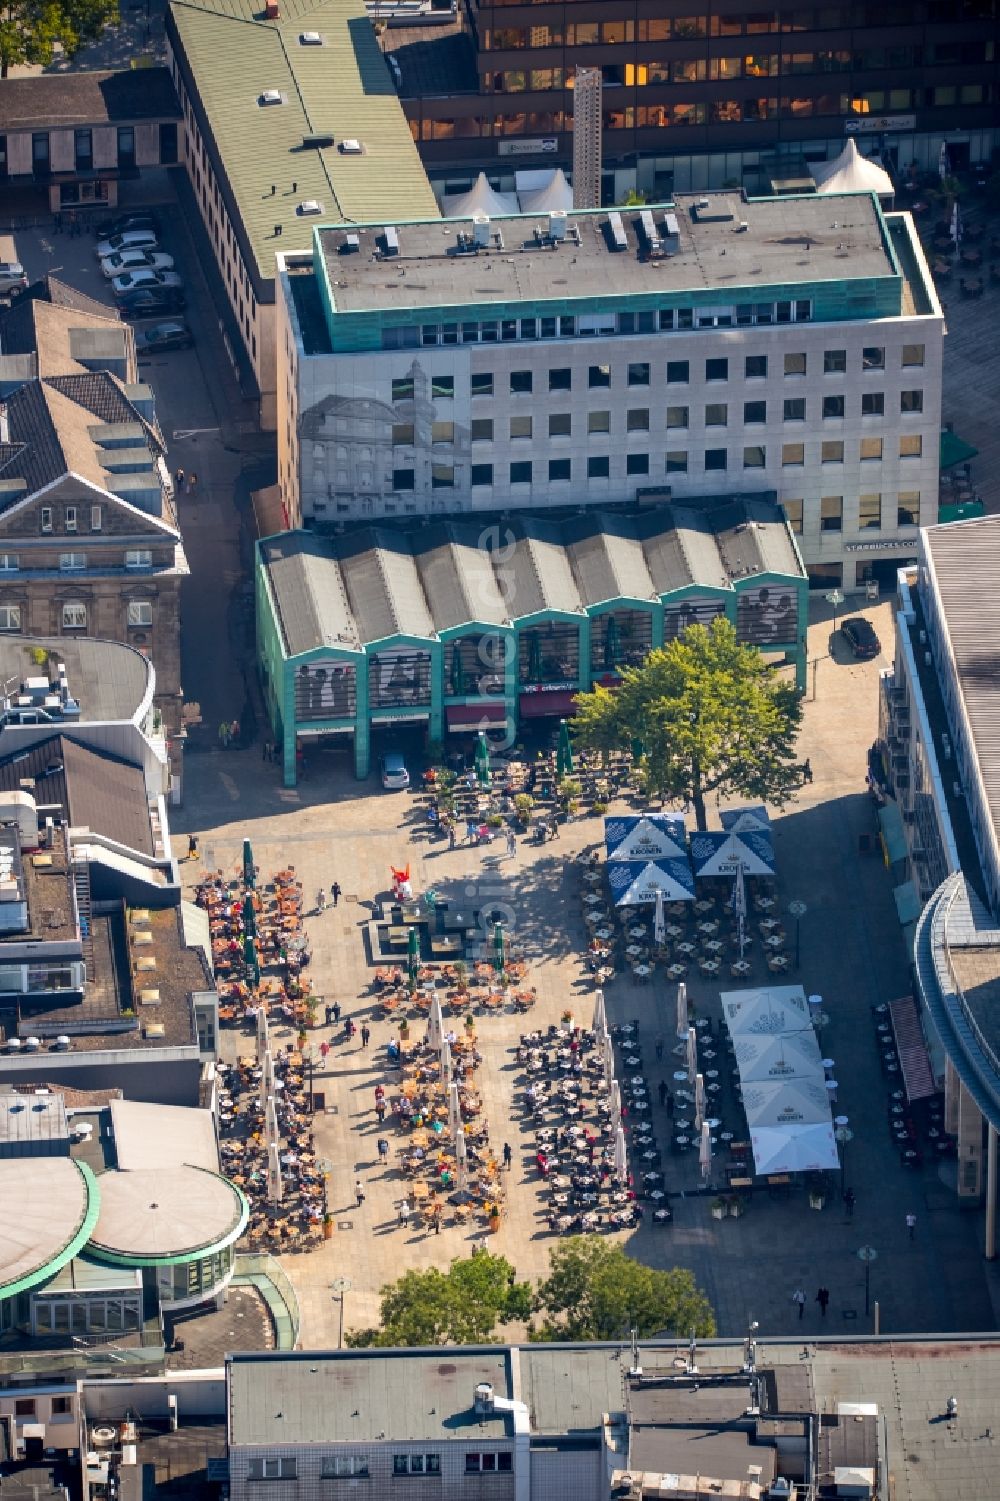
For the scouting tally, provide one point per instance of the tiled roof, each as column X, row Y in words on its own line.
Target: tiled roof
column 51, row 100
column 96, row 791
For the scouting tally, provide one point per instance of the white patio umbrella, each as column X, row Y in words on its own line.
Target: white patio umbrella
column 705, row 1150
column 461, row 1161
column 435, row 1023
column 271, row 1132
column 699, row 1100
column 609, row 1061
column 659, row 919
column 266, row 1080
column 446, row 1070
column 621, row 1155
column 692, row 1055
column 275, row 1183
column 682, row 1014
column 454, row 1111
column 600, row 1021
column 263, row 1042
column 615, row 1101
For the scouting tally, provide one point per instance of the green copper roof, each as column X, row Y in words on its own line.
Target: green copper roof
column 340, row 88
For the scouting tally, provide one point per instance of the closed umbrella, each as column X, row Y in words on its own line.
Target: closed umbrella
column 262, row 1034
column 271, row 1131
column 275, row 1183
column 659, row 919
column 682, row 1012
column 705, row 1150
column 740, row 907
column 699, row 1100
column 692, row 1055
column 251, row 961
column 498, row 948
column 435, row 1024
column 457, row 677
column 610, row 643
column 461, row 1161
column 564, row 752
column 266, row 1080
column 454, row 1111
column 609, row 1061
column 599, row 1024
column 621, row 1155
column 615, row 1101
column 249, row 873
column 446, row 1068
column 482, row 760
column 249, row 917
column 412, row 954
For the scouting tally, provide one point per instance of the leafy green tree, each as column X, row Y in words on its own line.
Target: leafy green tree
column 30, row 29
column 459, row 1307
column 712, row 716
column 595, row 1290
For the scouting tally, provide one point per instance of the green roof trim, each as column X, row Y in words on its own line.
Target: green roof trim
column 340, row 88
column 75, row 1244
column 192, row 1253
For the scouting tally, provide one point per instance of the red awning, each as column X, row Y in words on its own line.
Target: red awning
column 560, row 705
column 917, row 1077
column 485, row 714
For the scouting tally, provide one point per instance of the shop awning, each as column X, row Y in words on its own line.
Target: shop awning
column 918, row 1080
column 907, row 902
column 559, row 704
column 484, row 714
column 893, row 839
column 955, row 450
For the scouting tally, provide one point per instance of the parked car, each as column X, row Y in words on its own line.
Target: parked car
column 173, row 334
column 129, row 239
column 861, row 637
column 395, row 777
column 117, row 224
column 12, row 276
column 136, row 260
column 131, row 281
column 151, row 302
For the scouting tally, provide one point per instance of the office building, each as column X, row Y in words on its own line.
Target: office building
column 780, row 347
column 289, row 115
column 704, row 96
column 451, row 628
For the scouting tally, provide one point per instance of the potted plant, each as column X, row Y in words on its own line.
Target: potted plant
column 719, row 1209
column 470, row 1022
column 817, row 1198
column 461, row 974
column 736, row 1207
column 599, row 808
column 567, row 1020
column 404, row 1029
column 328, row 1226
column 302, row 1039
column 524, row 805
column 495, row 821
column 493, row 1217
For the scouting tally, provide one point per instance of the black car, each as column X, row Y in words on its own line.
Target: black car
column 861, row 637
column 117, row 224
column 173, row 334
column 151, row 302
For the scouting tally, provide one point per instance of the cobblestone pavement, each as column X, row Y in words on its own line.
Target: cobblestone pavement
column 851, row 951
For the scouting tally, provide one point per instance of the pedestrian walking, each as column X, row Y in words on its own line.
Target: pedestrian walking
column 383, row 1149
column 335, row 1012
column 234, row 732
column 379, row 1093
column 365, row 1034
column 849, row 1201
column 192, row 480
column 359, row 1192
column 451, row 835
column 328, row 1014
column 511, row 843
column 823, row 1298
column 799, row 1297
column 670, row 1106
column 192, row 846
column 349, row 1028
column 380, row 1110
column 179, row 481
column 436, row 1217
column 911, row 1225
column 553, row 830
column 508, row 1155
column 404, row 1212
column 224, row 733
column 807, row 771
column 661, row 1090
column 321, row 900
column 335, row 892
column 659, row 1047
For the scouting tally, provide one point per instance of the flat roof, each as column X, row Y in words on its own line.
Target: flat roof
column 787, row 241
column 336, row 1398
column 94, row 790
column 61, row 100
column 165, row 1213
column 160, row 1136
column 340, row 88
column 29, row 1120
column 347, row 592
column 53, row 1197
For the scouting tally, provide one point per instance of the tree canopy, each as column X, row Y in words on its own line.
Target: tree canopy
column 595, row 1290
column 459, row 1307
column 30, row 29
column 712, row 716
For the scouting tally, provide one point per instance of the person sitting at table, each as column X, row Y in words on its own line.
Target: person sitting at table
column 542, row 1161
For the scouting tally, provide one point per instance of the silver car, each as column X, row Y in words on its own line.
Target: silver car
column 131, row 281
column 131, row 239
column 136, row 260
column 12, row 276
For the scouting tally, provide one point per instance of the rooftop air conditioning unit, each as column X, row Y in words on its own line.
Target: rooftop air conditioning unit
column 269, row 96
column 309, row 206
column 351, row 147
column 481, row 230
column 557, row 225
column 310, row 39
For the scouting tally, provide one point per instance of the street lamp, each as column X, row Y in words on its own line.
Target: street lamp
column 326, row 1168
column 835, row 598
column 341, row 1286
column 843, row 1135
column 797, row 910
column 868, row 1254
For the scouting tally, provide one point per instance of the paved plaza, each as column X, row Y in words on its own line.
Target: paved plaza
column 852, row 952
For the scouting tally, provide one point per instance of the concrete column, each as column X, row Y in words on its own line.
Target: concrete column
column 362, row 721
column 584, row 676
column 991, row 1193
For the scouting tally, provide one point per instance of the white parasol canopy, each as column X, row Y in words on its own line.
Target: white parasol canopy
column 454, row 1111
column 772, row 1009
column 271, row 1133
column 659, row 921
column 720, row 853
column 266, row 1080
column 682, row 1011
column 615, row 1101
column 263, row 1042
column 621, row 1155
column 480, row 199
column 705, row 1150
column 446, row 1069
column 794, row 1149
column 435, row 1023
column 275, row 1182
column 540, row 192
column 699, row 1100
column 770, row 1059
column 609, row 1061
column 850, row 172
column 792, row 1102
column 738, row 820
column 636, row 882
column 692, row 1055
column 461, row 1161
column 600, row 1020
column 645, row 836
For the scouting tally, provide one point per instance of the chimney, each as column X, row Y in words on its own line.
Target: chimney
column 272, row 10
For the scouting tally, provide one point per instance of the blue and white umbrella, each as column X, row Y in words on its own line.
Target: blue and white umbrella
column 651, row 836
column 722, row 854
column 634, row 882
column 740, row 820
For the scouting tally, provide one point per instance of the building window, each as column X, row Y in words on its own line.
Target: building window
column 638, row 375
column 126, row 146
column 442, row 432
column 481, row 430
column 402, row 434
column 481, row 474
column 40, row 153
column 443, row 386
column 832, row 452
column 46, row 519
column 142, row 557
column 74, row 615
column 560, row 380
column 795, row 364
column 10, row 617
column 912, row 354
column 403, row 479
column 520, row 427
column 140, row 612
column 599, row 468
column 442, row 476
column 834, row 361
column 416, row 1464
column 599, row 376
column 24, row 1407
column 793, row 455
column 755, row 456
column 559, row 469
column 833, row 406
column 754, row 413
column 716, row 414
column 677, row 461
column 755, row 367
column 598, row 422
column 344, row 1466
column 637, row 420
column 520, row 382
column 637, row 463
column 485, row 1464
column 678, row 372
column 911, row 448
column 873, row 404
column 402, row 390
column 83, row 150
column 716, row 369
column 480, row 385
column 677, row 416
column 869, row 513
column 96, row 518
column 61, row 1406
column 911, row 401
column 831, row 513
column 871, row 448
column 873, row 358
column 271, row 1469
column 793, row 514
column 72, row 562
column 715, row 458
column 10, row 562
column 795, row 409
column 520, row 473
column 908, row 508
column 560, row 425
